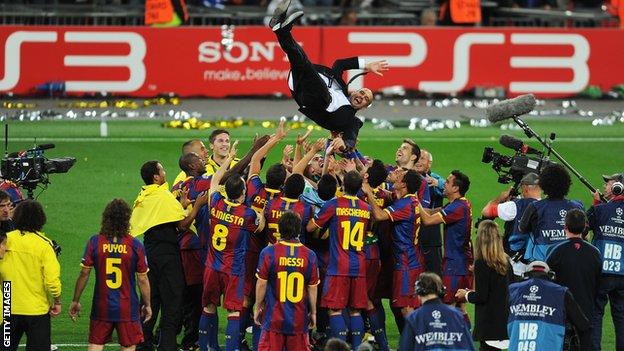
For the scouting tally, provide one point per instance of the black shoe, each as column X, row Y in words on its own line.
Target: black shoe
column 279, row 15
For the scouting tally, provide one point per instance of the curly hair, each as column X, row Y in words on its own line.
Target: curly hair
column 555, row 181
column 29, row 216
column 116, row 219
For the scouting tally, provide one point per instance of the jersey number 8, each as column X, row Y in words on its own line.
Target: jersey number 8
column 219, row 237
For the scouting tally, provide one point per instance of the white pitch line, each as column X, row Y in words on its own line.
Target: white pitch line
column 385, row 138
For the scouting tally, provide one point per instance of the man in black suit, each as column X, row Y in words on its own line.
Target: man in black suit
column 320, row 91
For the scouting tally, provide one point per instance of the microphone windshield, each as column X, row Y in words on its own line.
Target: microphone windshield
column 510, row 108
column 511, row 142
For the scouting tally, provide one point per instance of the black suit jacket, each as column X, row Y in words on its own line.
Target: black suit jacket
column 491, row 302
column 342, row 120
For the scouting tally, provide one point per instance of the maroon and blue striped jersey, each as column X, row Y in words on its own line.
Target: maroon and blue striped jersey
column 257, row 197
column 405, row 216
column 195, row 186
column 289, row 268
column 231, row 225
column 116, row 262
column 274, row 210
column 378, row 230
column 457, row 217
column 347, row 218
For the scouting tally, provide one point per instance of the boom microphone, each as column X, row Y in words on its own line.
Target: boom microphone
column 517, row 145
column 510, row 108
column 43, row 147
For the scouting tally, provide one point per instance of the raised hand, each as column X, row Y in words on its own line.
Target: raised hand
column 301, row 139
column 377, row 67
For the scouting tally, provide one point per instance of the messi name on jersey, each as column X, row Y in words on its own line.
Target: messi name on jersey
column 226, row 217
column 291, row 262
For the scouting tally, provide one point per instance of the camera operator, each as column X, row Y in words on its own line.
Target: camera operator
column 30, row 264
column 538, row 310
column 544, row 220
column 6, row 212
column 577, row 264
column 510, row 210
column 606, row 221
column 609, row 180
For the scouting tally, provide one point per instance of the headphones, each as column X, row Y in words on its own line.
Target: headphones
column 550, row 274
column 426, row 290
column 618, row 187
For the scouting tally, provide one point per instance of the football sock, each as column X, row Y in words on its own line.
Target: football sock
column 357, row 331
column 232, row 334
column 208, row 330
column 338, row 327
column 378, row 328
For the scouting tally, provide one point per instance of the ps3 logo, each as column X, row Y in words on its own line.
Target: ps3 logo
column 133, row 61
column 464, row 43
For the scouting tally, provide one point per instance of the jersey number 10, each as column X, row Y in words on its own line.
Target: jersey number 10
column 291, row 286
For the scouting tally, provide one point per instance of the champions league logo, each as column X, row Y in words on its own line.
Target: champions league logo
column 437, row 323
column 562, row 213
column 533, row 294
column 618, row 220
column 436, row 315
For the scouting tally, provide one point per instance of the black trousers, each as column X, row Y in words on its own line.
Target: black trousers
column 433, row 259
column 36, row 328
column 192, row 313
column 167, row 293
column 309, row 89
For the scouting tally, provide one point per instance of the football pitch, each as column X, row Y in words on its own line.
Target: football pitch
column 108, row 168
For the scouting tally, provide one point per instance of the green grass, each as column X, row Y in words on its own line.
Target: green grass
column 109, row 168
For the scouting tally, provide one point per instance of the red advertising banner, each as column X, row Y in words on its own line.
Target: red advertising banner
column 545, row 62
column 143, row 61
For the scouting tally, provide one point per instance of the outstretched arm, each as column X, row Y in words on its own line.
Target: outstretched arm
column 240, row 166
column 316, row 147
column 219, row 174
column 254, row 167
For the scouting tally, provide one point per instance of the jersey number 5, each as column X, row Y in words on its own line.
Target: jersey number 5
column 112, row 267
